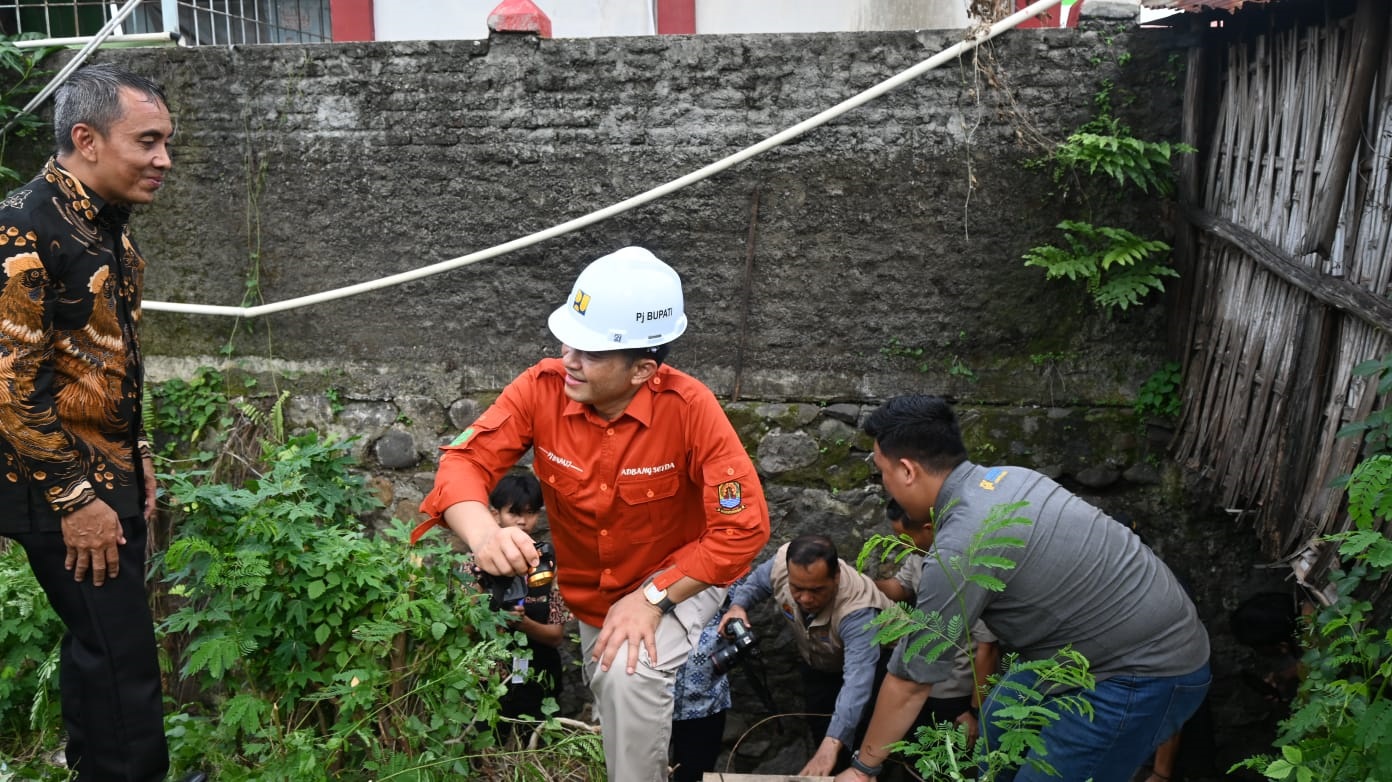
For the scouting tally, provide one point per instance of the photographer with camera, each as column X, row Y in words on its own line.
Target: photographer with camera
column 654, row 504
column 534, row 600
column 828, row 606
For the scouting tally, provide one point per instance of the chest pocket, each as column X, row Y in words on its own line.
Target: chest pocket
column 647, row 506
column 556, row 478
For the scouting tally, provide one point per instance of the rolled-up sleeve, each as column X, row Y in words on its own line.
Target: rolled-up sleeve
column 472, row 464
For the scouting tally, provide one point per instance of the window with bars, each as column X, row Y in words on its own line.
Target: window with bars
column 199, row 22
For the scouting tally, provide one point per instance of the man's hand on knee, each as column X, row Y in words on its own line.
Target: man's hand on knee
column 632, row 620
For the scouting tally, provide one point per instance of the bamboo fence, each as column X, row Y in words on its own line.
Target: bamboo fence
column 1290, row 269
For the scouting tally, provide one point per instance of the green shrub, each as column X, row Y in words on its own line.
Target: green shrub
column 29, row 635
column 1117, row 267
column 322, row 650
column 22, row 79
column 1100, row 164
column 1159, row 394
column 1340, row 726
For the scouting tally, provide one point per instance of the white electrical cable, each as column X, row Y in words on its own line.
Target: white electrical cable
column 1008, row 23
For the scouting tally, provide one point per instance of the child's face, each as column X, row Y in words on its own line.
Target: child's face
column 509, row 517
column 922, row 537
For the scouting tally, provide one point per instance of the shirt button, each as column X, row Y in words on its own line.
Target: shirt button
column 610, row 430
column 603, row 532
column 650, row 492
column 607, row 571
column 729, row 471
column 552, row 479
column 604, row 487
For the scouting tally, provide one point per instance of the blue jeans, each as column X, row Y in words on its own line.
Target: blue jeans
column 1132, row 715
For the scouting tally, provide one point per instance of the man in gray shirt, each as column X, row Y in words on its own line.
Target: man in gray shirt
column 1081, row 580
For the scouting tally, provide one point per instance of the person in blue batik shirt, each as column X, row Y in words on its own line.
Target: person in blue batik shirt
column 700, row 699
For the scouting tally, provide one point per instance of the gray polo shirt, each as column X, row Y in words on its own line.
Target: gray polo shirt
column 1081, row 579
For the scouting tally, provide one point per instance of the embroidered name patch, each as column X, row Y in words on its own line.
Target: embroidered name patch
column 731, row 497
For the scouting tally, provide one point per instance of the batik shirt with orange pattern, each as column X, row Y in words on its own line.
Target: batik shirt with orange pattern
column 70, row 368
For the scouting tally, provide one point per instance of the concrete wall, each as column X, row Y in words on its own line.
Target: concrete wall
column 895, row 229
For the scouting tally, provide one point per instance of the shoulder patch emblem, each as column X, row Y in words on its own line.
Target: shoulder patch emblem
column 463, row 436
column 993, row 476
column 731, row 497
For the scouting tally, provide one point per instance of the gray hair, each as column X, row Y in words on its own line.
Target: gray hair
column 92, row 96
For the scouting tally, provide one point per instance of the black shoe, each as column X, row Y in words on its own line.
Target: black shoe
column 194, row 776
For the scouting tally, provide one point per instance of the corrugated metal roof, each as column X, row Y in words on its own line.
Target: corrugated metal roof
column 1201, row 5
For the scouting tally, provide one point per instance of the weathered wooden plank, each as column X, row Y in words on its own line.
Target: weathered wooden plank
column 1369, row 44
column 1335, row 292
column 715, row 776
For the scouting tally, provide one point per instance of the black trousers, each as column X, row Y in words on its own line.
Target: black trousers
column 696, row 746
column 109, row 675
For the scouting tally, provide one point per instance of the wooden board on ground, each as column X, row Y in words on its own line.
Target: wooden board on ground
column 715, row 776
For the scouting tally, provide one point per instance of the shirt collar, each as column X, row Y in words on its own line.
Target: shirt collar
column 640, row 407
column 951, row 485
column 85, row 203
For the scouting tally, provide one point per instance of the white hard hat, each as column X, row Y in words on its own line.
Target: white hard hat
column 627, row 299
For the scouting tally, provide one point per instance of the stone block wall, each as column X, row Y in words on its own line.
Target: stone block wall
column 878, row 253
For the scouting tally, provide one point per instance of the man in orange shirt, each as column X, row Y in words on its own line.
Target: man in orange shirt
column 654, row 505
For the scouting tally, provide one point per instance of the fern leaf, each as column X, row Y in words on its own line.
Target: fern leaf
column 246, row 713
column 216, row 654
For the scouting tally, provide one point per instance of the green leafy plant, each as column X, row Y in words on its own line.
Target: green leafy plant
column 1376, row 429
column 21, row 80
column 304, row 646
column 29, row 635
column 896, row 349
column 1145, row 165
column 1159, row 394
column 1340, row 726
column 325, row 648
column 941, row 752
column 178, row 413
column 957, row 368
column 1101, row 162
column 1117, row 267
column 335, row 397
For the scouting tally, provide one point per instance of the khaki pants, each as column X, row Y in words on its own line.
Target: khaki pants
column 635, row 712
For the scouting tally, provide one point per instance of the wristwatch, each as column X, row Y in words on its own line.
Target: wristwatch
column 657, row 597
column 859, row 765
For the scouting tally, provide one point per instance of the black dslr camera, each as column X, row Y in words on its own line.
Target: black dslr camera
column 505, row 592
column 738, row 638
